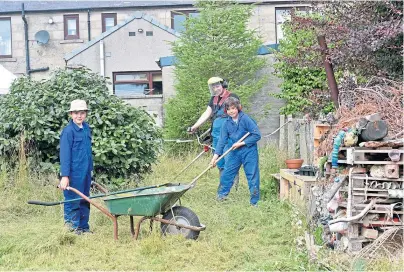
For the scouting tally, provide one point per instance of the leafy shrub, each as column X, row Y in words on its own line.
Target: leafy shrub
column 125, row 139
column 300, row 81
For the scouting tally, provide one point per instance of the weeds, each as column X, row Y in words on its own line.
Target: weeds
column 238, row 237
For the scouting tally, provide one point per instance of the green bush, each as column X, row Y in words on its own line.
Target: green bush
column 125, row 139
column 298, row 81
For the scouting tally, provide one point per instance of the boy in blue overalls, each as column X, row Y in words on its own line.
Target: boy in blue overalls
column 76, row 164
column 245, row 153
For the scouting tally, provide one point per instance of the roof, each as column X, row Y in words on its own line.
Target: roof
column 264, row 49
column 48, row 6
column 137, row 15
column 15, row 6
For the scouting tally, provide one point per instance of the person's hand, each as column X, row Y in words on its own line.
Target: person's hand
column 191, row 130
column 237, row 145
column 64, row 183
column 212, row 163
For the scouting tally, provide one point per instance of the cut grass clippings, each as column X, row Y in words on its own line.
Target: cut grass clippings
column 237, row 236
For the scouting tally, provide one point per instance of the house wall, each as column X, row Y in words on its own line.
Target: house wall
column 124, row 53
column 51, row 54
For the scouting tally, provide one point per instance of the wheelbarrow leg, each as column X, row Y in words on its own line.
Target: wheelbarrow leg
column 132, row 229
column 115, row 220
column 138, row 226
column 151, row 225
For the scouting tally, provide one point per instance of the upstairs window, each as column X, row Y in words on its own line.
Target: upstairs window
column 283, row 15
column 5, row 37
column 178, row 18
column 108, row 21
column 138, row 83
column 71, row 26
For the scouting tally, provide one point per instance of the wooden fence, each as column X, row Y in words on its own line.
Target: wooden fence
column 296, row 137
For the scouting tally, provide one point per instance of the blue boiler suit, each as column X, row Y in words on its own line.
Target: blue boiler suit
column 219, row 116
column 219, row 119
column 76, row 162
column 246, row 155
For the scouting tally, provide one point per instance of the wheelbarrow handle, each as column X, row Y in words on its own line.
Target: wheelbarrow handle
column 42, row 203
column 83, row 196
column 192, row 184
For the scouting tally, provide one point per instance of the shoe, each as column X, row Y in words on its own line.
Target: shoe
column 77, row 231
column 254, row 205
column 85, row 231
column 221, row 198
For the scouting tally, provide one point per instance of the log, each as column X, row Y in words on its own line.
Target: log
column 374, row 131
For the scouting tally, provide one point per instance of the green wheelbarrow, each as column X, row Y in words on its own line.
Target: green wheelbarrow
column 156, row 203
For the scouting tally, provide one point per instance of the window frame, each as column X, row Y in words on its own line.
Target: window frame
column 66, row 17
column 106, row 16
column 181, row 12
column 11, row 37
column 149, row 80
column 298, row 8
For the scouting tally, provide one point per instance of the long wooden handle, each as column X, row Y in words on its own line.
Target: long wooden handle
column 221, row 157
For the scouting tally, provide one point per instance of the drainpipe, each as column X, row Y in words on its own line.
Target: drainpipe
column 332, row 84
column 102, row 69
column 28, row 70
column 27, row 64
column 88, row 25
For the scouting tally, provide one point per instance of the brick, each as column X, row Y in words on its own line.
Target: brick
column 370, row 233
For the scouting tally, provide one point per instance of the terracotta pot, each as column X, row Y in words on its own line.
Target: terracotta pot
column 294, row 163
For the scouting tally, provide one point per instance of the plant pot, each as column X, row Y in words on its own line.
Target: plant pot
column 294, row 163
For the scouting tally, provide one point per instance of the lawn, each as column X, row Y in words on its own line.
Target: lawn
column 237, row 237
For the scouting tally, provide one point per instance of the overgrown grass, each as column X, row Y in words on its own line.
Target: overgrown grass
column 237, row 237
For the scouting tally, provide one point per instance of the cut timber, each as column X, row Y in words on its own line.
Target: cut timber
column 320, row 131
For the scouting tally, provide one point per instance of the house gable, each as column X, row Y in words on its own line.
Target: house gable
column 137, row 15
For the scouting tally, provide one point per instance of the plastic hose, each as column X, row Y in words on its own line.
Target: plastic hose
column 337, row 143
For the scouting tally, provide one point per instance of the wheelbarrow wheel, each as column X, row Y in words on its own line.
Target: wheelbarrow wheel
column 184, row 216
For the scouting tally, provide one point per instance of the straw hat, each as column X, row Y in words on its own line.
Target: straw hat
column 78, row 105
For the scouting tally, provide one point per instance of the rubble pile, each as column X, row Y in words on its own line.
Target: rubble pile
column 360, row 204
column 378, row 95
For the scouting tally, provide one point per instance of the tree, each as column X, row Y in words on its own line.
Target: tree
column 216, row 43
column 364, row 37
column 125, row 139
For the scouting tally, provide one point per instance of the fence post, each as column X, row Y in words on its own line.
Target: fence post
column 303, row 130
column 291, row 138
column 282, row 143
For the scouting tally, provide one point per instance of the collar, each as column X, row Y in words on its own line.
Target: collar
column 219, row 100
column 240, row 114
column 76, row 127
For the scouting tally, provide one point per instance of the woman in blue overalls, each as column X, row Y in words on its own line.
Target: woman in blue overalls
column 215, row 111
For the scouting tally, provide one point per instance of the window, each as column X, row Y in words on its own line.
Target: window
column 71, row 23
column 178, row 18
column 108, row 21
column 283, row 15
column 138, row 83
column 5, row 37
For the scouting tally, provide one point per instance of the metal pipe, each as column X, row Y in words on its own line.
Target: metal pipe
column 27, row 64
column 332, row 83
column 356, row 217
column 88, row 25
column 102, row 69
